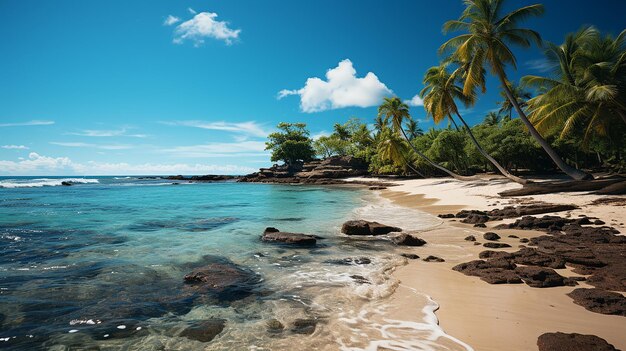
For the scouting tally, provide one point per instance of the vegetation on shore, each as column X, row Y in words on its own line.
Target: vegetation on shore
column 573, row 119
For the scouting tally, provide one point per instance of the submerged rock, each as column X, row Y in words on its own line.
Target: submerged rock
column 274, row 326
column 572, row 342
column 304, row 326
column 64, row 183
column 274, row 235
column 362, row 227
column 600, row 301
column 351, row 261
column 204, row 331
column 224, row 279
column 405, row 239
column 410, row 256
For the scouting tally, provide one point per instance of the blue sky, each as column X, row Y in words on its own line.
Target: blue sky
column 192, row 87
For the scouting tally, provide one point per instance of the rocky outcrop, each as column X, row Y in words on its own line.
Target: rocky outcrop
column 600, row 301
column 480, row 217
column 361, row 227
column 405, row 239
column 572, row 342
column 202, row 178
column 492, row 272
column 496, row 245
column 274, row 235
column 540, row 277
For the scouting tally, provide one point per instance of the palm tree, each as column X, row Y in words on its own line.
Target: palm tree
column 588, row 91
column 413, row 129
column 393, row 148
column 520, row 95
column 396, row 111
column 488, row 32
column 492, row 119
column 439, row 95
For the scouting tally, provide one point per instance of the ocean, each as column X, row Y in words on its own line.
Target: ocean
column 100, row 265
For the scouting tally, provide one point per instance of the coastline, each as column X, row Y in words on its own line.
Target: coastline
column 485, row 316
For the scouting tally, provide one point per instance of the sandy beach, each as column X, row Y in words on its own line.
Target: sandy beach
column 485, row 316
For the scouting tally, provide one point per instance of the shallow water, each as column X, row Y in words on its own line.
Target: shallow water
column 100, row 265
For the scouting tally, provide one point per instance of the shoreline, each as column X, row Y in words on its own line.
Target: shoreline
column 485, row 316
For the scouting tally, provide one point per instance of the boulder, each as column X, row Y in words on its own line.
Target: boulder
column 204, row 331
column 600, row 301
column 572, row 342
column 492, row 272
column 470, row 238
column 304, row 326
column 410, row 256
column 362, row 227
column 405, row 239
column 275, row 326
column 539, row 277
column 274, row 235
column 491, row 236
column 496, row 245
column 432, row 258
column 224, row 279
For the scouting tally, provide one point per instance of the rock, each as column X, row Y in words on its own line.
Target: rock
column 204, row 331
column 572, row 342
column 476, row 243
column 410, row 256
column 64, row 183
column 431, row 258
column 377, row 187
column 492, row 273
column 351, row 261
column 513, row 236
column 475, row 218
column 304, row 326
column 491, row 236
column 600, row 301
column 598, row 222
column 470, row 238
column 480, row 225
column 274, row 235
column 539, row 277
column 359, row 279
column 446, row 215
column 524, row 240
column 529, row 210
column 275, row 326
column 224, row 279
column 361, row 227
column 496, row 245
column 533, row 257
column 407, row 240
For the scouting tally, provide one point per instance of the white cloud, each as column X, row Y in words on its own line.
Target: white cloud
column 96, row 146
column 37, row 164
column 220, row 149
column 192, row 11
column 415, row 101
column 29, row 123
column 250, row 128
column 542, row 65
column 14, row 147
column 171, row 20
column 341, row 89
column 108, row 133
column 320, row 134
column 204, row 25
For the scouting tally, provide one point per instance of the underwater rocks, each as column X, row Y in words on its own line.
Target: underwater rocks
column 405, row 239
column 600, row 301
column 361, row 227
column 204, row 331
column 572, row 342
column 350, row 261
column 225, row 279
column 304, row 326
column 274, row 235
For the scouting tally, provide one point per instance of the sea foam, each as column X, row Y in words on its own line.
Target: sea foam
column 41, row 182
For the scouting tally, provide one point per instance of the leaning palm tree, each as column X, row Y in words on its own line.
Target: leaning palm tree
column 440, row 94
column 588, row 90
column 521, row 96
column 488, row 32
column 396, row 112
column 492, row 119
column 393, row 148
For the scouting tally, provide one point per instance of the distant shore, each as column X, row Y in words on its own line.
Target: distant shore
column 486, row 316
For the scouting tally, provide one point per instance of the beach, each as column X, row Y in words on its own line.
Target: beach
column 486, row 316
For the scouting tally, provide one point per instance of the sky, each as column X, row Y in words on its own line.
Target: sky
column 123, row 87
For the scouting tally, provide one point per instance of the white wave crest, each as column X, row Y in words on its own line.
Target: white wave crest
column 41, row 182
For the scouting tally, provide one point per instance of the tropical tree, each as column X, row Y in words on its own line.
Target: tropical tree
column 520, row 95
column 393, row 148
column 485, row 42
column 412, row 129
column 588, row 90
column 291, row 144
column 395, row 112
column 492, row 119
column 440, row 94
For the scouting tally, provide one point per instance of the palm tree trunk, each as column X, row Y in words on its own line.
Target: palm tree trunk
column 622, row 114
column 450, row 173
column 491, row 159
column 410, row 166
column 569, row 170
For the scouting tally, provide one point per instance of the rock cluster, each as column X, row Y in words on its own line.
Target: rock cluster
column 480, row 217
column 361, row 227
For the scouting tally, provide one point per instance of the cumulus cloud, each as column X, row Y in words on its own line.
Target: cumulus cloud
column 14, row 147
column 29, row 123
column 171, row 20
column 38, row 164
column 342, row 88
column 250, row 128
column 415, row 101
column 95, row 146
column 220, row 149
column 204, row 25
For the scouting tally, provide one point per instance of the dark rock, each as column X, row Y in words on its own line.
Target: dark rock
column 446, row 215
column 491, row 236
column 304, row 326
column 410, row 256
column 598, row 222
column 572, row 342
column 275, row 326
column 377, row 187
column 475, row 218
column 405, row 239
column 524, row 240
column 539, row 277
column 273, row 235
column 529, row 210
column 431, row 258
column 361, row 227
column 476, row 243
column 480, row 225
column 600, row 301
column 513, row 236
column 225, row 279
column 533, row 257
column 64, row 183
column 204, row 331
column 470, row 238
column 488, row 272
column 351, row 261
column 496, row 245
column 359, row 279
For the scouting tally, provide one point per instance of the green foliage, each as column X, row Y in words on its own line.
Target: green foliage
column 291, row 144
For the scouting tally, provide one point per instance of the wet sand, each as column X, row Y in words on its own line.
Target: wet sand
column 485, row 316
